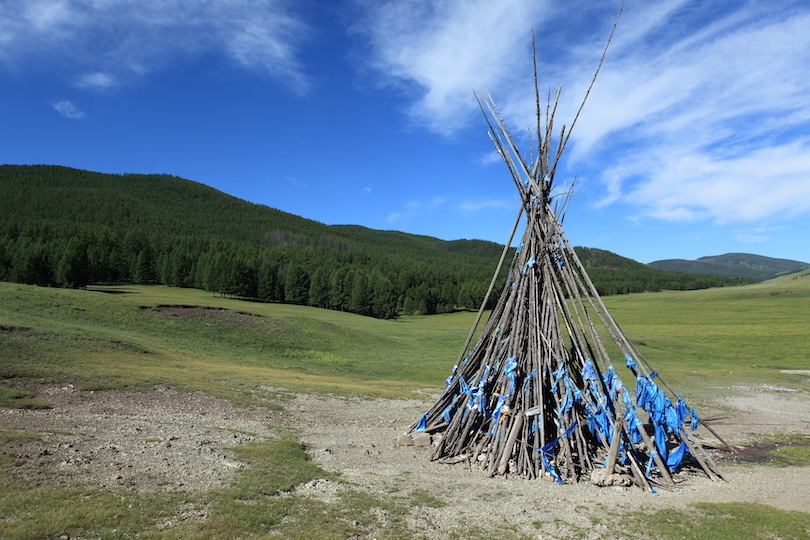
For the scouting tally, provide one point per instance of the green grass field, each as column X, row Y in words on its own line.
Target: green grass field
column 741, row 334
column 118, row 338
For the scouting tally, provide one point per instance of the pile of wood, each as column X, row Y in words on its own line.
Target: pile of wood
column 540, row 394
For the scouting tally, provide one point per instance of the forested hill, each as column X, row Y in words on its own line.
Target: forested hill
column 68, row 227
column 613, row 274
column 744, row 265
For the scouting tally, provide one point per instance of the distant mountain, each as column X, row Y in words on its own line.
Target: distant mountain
column 743, row 265
column 613, row 274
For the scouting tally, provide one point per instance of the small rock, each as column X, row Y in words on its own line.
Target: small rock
column 421, row 439
column 600, row 477
column 404, row 440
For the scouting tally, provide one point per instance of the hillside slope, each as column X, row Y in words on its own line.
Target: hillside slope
column 614, row 274
column 69, row 228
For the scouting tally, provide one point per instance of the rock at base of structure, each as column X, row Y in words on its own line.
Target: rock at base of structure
column 600, row 477
column 419, row 439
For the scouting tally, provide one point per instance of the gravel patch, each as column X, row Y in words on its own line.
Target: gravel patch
column 164, row 440
column 358, row 439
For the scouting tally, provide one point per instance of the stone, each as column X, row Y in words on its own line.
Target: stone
column 600, row 477
column 421, row 439
column 404, row 440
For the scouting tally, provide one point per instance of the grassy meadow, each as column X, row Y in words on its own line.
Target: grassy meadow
column 116, row 337
column 717, row 337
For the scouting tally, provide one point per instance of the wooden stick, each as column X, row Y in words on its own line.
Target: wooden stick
column 510, row 443
column 613, row 453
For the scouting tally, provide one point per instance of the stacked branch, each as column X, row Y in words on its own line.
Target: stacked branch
column 540, row 392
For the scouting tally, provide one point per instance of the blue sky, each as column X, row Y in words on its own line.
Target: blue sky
column 695, row 139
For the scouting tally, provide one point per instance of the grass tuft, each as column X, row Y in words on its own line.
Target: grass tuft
column 723, row 521
column 15, row 398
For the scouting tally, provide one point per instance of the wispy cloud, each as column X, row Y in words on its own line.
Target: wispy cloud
column 68, row 109
column 466, row 209
column 294, row 181
column 755, row 235
column 97, row 81
column 415, row 209
column 444, row 50
column 474, row 207
column 701, row 185
column 490, row 158
column 110, row 37
column 411, row 209
column 751, row 238
column 711, row 125
column 701, row 112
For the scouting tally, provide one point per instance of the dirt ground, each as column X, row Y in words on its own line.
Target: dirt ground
column 168, row 440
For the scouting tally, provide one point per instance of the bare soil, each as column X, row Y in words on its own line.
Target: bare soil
column 168, row 440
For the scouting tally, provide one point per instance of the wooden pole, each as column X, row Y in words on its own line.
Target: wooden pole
column 613, row 453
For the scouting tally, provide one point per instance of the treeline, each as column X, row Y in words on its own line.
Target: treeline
column 65, row 227
column 60, row 255
column 69, row 228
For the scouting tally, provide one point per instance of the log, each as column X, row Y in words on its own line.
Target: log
column 613, row 453
column 510, row 444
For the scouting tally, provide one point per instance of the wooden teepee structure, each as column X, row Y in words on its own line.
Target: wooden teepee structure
column 540, row 394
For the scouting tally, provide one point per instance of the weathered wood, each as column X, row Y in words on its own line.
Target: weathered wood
column 613, row 453
column 510, row 444
column 522, row 386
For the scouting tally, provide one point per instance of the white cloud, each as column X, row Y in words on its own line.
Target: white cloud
column 447, row 49
column 763, row 229
column 715, row 85
column 711, row 126
column 489, row 158
column 98, row 81
column 412, row 209
column 415, row 209
column 68, row 109
column 475, row 207
column 701, row 111
column 698, row 185
column 751, row 238
column 109, row 37
column 294, row 181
